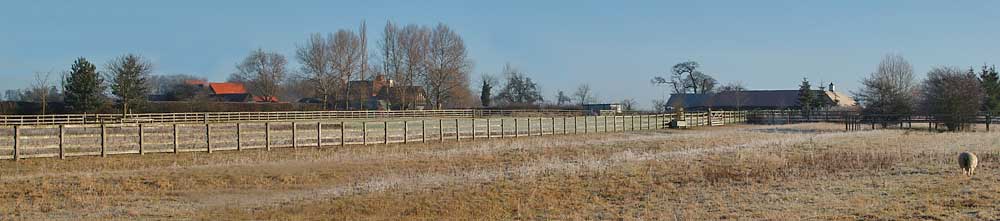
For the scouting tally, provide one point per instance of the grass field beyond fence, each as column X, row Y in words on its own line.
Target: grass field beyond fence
column 69, row 140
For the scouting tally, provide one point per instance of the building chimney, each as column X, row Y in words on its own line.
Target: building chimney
column 832, row 89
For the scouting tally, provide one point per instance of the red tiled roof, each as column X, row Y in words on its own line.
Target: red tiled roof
column 227, row 88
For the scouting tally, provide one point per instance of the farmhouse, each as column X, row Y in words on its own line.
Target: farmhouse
column 756, row 99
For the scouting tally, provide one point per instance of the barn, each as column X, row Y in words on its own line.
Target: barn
column 755, row 99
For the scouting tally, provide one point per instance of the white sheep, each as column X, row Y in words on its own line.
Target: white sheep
column 967, row 160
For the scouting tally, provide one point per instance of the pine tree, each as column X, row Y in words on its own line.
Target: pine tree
column 83, row 87
column 991, row 88
column 128, row 81
column 486, row 96
column 807, row 99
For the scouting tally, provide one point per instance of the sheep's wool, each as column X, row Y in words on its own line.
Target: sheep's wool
column 967, row 161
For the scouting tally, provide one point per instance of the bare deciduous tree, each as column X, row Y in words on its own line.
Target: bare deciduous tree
column 562, row 98
column 162, row 84
column 316, row 58
column 695, row 81
column 447, row 67
column 363, row 50
column 890, row 89
column 629, row 104
column 403, row 53
column 346, row 60
column 659, row 105
column 583, row 95
column 737, row 92
column 42, row 90
column 263, row 72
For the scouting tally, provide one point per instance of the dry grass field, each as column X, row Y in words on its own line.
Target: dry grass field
column 786, row 172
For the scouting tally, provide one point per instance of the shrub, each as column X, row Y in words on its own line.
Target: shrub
column 952, row 96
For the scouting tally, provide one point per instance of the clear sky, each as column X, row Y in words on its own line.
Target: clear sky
column 615, row 46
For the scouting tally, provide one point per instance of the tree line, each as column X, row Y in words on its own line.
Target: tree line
column 431, row 57
column 515, row 89
column 84, row 89
column 948, row 93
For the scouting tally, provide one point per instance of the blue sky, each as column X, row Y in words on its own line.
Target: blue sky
column 616, row 47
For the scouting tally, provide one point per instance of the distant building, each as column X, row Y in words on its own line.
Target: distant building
column 229, row 92
column 382, row 94
column 756, row 99
column 603, row 109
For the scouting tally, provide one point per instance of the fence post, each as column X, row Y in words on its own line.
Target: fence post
column 515, row 127
column 658, row 121
column 239, row 137
column 489, row 129
column 267, row 136
column 17, row 134
column 104, row 141
column 553, row 129
column 846, row 123
column 614, row 123
column 502, row 128
column 62, row 141
column 564, row 125
column 423, row 131
column 605, row 124
column 364, row 133
column 141, row 150
column 788, row 117
column 575, row 131
column 586, row 126
column 319, row 134
column 989, row 119
column 458, row 133
column 529, row 126
column 385, row 132
column 710, row 117
column 541, row 127
column 631, row 123
column 406, row 129
column 441, row 130
column 208, row 137
column 295, row 130
column 176, row 144
column 473, row 128
column 343, row 139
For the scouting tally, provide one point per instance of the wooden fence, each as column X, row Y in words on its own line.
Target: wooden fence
column 70, row 140
column 220, row 117
column 853, row 120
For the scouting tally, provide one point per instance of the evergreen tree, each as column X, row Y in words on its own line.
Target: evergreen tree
column 83, row 87
column 519, row 89
column 991, row 88
column 128, row 75
column 807, row 99
column 486, row 96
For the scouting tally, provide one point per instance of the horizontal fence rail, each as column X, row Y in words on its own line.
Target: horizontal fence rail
column 853, row 120
column 71, row 140
column 217, row 117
